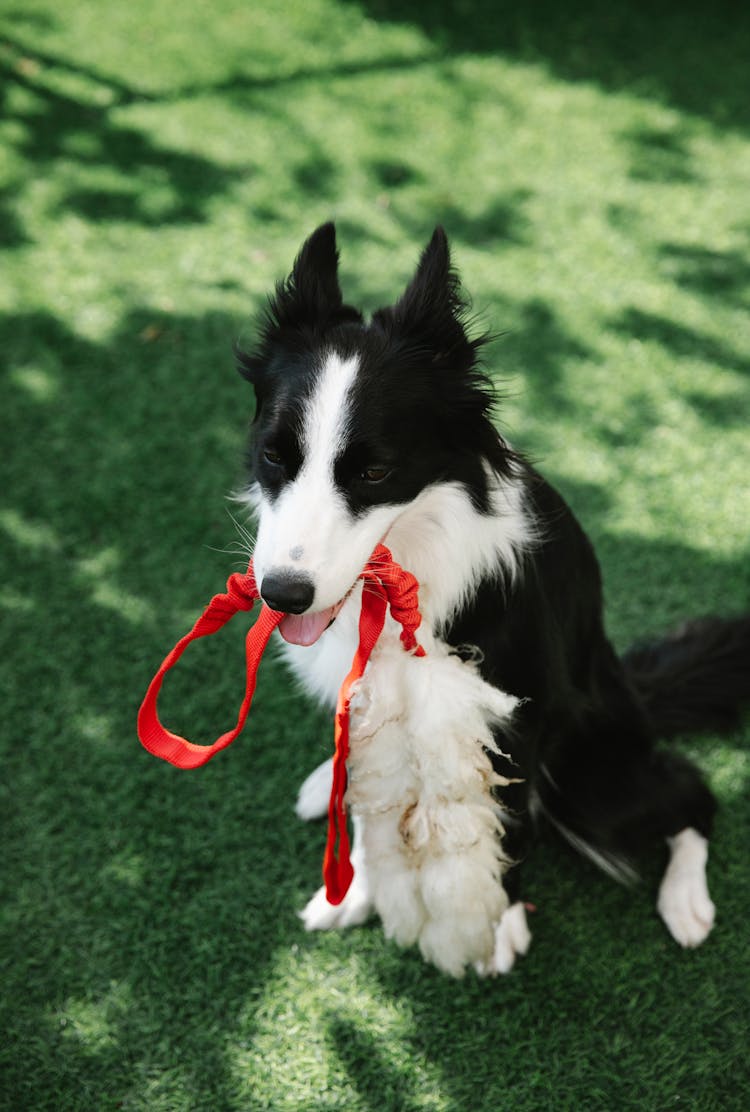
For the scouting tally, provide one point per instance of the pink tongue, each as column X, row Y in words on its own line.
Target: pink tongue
column 305, row 629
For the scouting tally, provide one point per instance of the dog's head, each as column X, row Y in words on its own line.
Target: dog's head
column 355, row 421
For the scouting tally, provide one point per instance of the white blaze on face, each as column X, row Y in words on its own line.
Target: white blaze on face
column 327, row 415
column 309, row 527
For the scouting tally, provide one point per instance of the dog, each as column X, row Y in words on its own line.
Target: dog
column 520, row 713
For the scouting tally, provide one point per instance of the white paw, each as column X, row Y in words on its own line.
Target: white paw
column 512, row 940
column 312, row 801
column 355, row 908
column 684, row 903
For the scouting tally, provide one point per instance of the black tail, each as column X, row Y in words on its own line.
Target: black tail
column 695, row 680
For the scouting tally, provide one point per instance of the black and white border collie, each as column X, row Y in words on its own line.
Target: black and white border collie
column 521, row 711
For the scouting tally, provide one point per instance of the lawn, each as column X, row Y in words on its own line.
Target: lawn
column 161, row 163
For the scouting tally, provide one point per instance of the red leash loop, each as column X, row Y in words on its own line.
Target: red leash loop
column 386, row 584
column 241, row 594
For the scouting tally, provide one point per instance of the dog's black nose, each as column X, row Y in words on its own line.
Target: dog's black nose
column 290, row 592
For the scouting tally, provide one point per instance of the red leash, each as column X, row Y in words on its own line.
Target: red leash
column 386, row 584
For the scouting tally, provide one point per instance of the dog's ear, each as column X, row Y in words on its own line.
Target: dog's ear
column 432, row 306
column 434, row 283
column 311, row 295
column 309, row 301
column 312, row 288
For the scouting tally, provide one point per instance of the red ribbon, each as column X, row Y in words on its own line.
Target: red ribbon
column 386, row 584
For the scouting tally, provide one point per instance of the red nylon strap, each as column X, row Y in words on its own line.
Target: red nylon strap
column 337, row 867
column 385, row 584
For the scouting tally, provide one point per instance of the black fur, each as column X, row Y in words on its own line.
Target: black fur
column 585, row 740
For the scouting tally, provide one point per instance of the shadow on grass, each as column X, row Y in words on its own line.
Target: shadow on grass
column 161, row 185
column 501, row 222
column 186, row 183
column 686, row 54
column 137, row 922
column 661, row 154
column 729, row 410
column 535, row 352
column 709, row 272
column 679, row 339
column 12, row 233
column 379, row 1083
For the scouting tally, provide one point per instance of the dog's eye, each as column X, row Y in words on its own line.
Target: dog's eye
column 375, row 474
column 272, row 457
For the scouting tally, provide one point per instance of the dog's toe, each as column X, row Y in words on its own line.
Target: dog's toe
column 354, row 909
column 512, row 940
column 684, row 903
column 687, row 909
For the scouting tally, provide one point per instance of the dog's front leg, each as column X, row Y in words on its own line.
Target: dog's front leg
column 356, row 906
column 313, row 797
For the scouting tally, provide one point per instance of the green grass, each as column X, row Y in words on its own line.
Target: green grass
column 161, row 163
